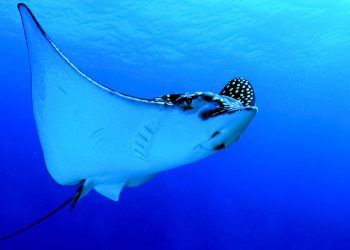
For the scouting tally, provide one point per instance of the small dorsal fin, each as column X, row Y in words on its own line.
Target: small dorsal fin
column 139, row 181
column 110, row 190
column 241, row 90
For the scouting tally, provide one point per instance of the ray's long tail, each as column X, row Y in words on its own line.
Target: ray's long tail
column 73, row 199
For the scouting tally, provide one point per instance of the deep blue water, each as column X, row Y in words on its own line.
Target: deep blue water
column 284, row 185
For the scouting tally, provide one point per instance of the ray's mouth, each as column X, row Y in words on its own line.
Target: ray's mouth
column 209, row 147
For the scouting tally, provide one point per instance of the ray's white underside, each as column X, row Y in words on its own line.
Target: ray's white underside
column 109, row 139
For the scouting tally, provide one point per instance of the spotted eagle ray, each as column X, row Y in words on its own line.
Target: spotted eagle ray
column 105, row 140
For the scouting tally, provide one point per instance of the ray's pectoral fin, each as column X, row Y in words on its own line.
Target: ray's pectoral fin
column 110, row 190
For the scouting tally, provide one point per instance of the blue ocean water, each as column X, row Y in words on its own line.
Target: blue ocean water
column 284, row 185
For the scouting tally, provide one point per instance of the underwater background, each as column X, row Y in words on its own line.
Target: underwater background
column 284, row 185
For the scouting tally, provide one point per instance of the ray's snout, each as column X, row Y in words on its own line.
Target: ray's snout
column 232, row 129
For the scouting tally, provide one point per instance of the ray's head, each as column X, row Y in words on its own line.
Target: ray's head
column 215, row 121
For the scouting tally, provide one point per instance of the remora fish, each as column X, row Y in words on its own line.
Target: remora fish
column 106, row 140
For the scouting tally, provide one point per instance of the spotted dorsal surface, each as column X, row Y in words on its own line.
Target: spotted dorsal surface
column 240, row 89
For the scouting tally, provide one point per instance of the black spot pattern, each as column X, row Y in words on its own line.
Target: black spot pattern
column 241, row 90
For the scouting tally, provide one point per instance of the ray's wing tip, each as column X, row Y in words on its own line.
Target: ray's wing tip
column 26, row 13
column 28, row 16
column 23, row 6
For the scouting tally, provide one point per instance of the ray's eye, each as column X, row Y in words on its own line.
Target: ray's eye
column 180, row 101
column 187, row 103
